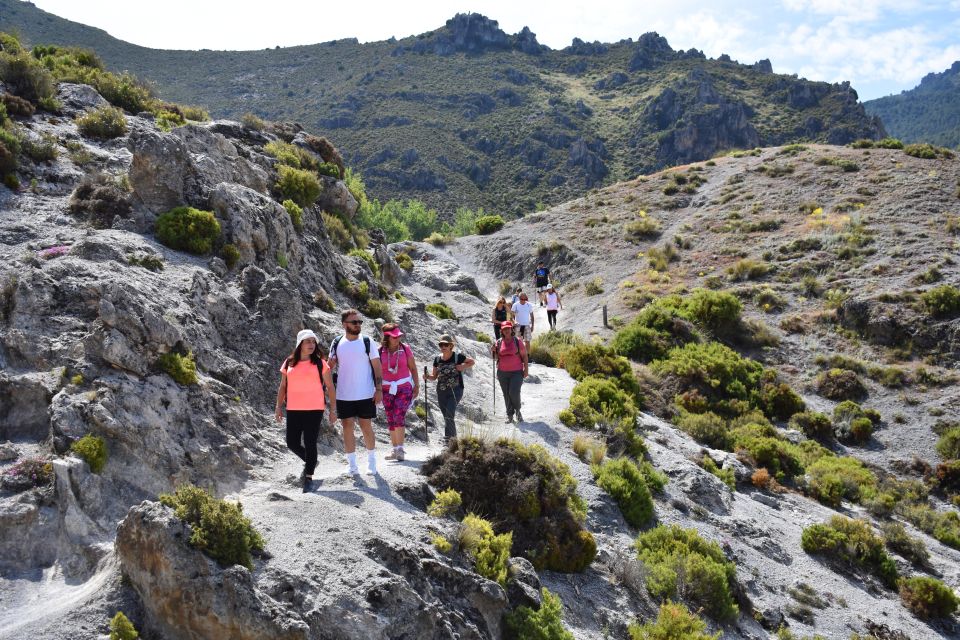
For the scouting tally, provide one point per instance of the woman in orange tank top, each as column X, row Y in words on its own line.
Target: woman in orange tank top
column 304, row 376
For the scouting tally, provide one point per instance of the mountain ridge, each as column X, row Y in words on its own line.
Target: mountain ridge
column 469, row 116
column 927, row 113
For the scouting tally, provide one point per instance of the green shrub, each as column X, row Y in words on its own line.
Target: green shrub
column 852, row 423
column 926, row 151
column 840, row 384
column 121, row 628
column 181, row 368
column 446, row 503
column 674, row 622
column 338, row 231
column 949, row 444
column 404, row 261
column 779, row 401
column 726, row 475
column 104, row 123
column 252, row 121
column 831, row 479
column 438, row 239
column 851, row 541
column 713, row 309
column 230, row 255
column 640, row 343
column 888, row 143
column 545, row 623
column 582, row 360
column 298, row 185
column 928, row 597
column 329, row 169
column 42, row 149
column 944, row 526
column 768, row 450
column 24, row 76
column 682, row 564
column 93, row 450
column 296, row 214
column 441, row 310
column 623, row 481
column 367, row 259
column 747, row 269
column 594, row 287
column 645, row 228
column 489, row 551
column 942, row 301
column 813, row 424
column 728, row 382
column 589, row 449
column 848, row 166
column 219, row 527
column 489, row 224
column 167, row 120
column 531, row 494
column 706, row 428
column 485, row 338
column 599, row 403
column 188, row 229
column 378, row 309
column 897, row 539
column 550, row 348
column 291, row 155
column 440, row 542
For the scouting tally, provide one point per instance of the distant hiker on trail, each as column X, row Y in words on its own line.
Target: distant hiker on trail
column 541, row 280
column 401, row 383
column 359, row 378
column 510, row 356
column 553, row 305
column 523, row 320
column 303, row 377
column 516, row 296
column 448, row 367
column 500, row 312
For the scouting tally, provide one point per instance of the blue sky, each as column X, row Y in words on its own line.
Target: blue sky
column 881, row 46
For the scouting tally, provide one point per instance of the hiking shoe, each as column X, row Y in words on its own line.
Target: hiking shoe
column 354, row 471
column 392, row 456
column 372, row 471
column 307, row 484
column 519, row 417
column 508, row 420
column 400, row 454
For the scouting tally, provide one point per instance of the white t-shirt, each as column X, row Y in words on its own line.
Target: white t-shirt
column 354, row 374
column 553, row 302
column 522, row 313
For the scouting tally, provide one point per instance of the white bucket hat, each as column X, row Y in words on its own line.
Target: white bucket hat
column 306, row 333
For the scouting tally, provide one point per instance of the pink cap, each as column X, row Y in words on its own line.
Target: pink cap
column 394, row 333
column 506, row 325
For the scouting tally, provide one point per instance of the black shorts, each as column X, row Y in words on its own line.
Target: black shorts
column 356, row 409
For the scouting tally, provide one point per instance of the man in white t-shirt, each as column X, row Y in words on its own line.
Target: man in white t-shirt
column 356, row 360
column 523, row 319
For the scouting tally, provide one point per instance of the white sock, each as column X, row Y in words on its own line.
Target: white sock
column 352, row 460
column 371, row 459
column 397, row 447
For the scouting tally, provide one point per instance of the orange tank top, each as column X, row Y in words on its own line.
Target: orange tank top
column 304, row 386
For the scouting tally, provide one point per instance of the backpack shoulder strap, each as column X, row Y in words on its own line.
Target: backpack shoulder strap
column 366, row 344
column 516, row 344
column 333, row 347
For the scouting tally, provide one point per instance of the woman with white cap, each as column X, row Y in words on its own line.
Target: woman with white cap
column 304, row 375
column 401, row 384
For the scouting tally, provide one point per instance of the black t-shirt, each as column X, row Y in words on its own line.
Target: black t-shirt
column 543, row 275
column 448, row 376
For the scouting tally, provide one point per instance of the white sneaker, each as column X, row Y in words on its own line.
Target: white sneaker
column 372, row 471
column 354, row 471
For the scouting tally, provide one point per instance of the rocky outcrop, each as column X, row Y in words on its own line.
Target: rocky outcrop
column 474, row 34
column 185, row 594
column 652, row 49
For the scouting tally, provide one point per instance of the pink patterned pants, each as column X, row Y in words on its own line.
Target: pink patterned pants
column 396, row 406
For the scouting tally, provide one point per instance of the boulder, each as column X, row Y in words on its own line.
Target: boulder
column 336, row 198
column 24, row 399
column 77, row 98
column 185, row 594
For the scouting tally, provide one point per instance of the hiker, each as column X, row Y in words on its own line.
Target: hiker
column 303, row 377
column 499, row 315
column 523, row 320
column 516, row 296
column 541, row 279
column 401, row 383
column 448, row 367
column 553, row 305
column 356, row 360
column 510, row 356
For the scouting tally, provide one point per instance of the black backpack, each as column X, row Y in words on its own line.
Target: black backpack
column 456, row 360
column 366, row 347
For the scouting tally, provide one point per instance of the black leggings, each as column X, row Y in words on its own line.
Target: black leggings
column 305, row 425
column 552, row 318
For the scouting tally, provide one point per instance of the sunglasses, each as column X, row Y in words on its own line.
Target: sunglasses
column 356, row 322
column 445, row 345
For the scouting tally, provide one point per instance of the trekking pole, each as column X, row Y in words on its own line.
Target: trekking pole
column 426, row 409
column 494, row 380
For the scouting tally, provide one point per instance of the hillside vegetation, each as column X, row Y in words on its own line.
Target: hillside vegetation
column 929, row 112
column 468, row 115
